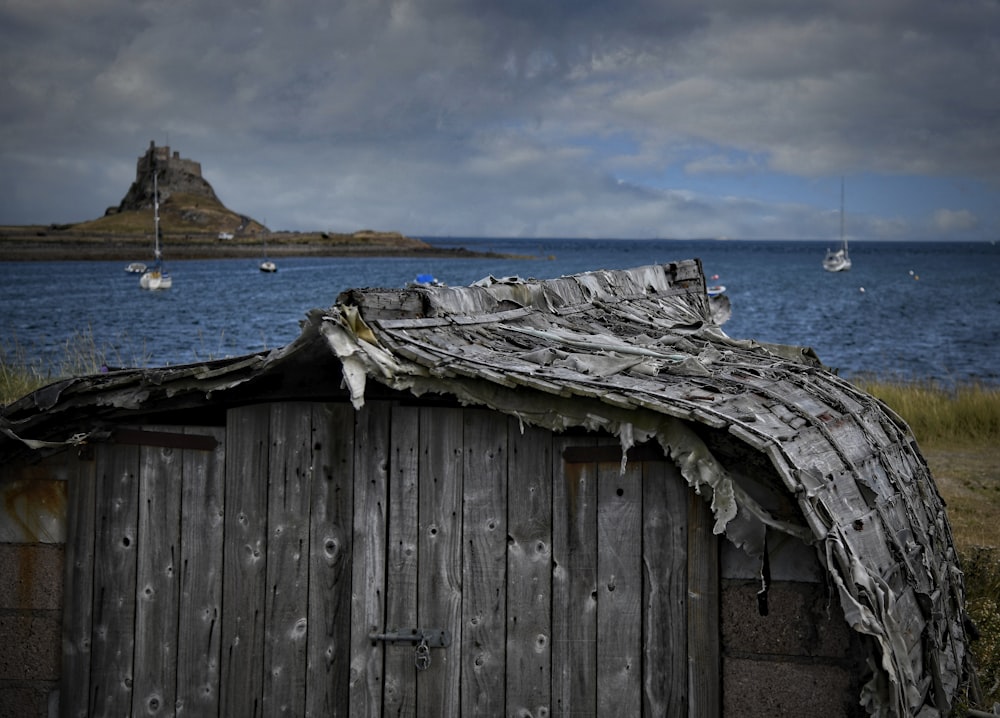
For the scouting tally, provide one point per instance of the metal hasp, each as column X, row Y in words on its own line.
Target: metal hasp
column 423, row 638
column 431, row 637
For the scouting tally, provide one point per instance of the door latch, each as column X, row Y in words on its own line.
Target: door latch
column 433, row 637
column 423, row 638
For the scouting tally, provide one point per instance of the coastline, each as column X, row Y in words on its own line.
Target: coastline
column 43, row 244
column 60, row 252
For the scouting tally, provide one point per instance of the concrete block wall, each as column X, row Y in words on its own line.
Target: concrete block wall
column 31, row 595
column 800, row 658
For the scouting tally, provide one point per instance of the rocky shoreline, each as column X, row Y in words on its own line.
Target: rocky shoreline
column 31, row 244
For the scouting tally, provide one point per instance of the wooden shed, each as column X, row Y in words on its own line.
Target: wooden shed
column 526, row 498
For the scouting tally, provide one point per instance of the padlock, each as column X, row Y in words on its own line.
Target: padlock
column 422, row 656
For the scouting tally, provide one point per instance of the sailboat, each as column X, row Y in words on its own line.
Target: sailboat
column 156, row 277
column 838, row 260
column 266, row 264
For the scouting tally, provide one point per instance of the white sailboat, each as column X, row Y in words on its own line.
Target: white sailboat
column 157, row 276
column 838, row 260
column 267, row 265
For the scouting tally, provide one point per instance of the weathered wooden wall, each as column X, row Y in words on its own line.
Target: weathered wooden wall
column 248, row 578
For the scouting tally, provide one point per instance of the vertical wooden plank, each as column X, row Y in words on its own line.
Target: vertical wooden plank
column 200, row 579
column 664, row 559
column 78, row 605
column 484, row 540
column 704, row 660
column 160, row 483
column 328, row 670
column 574, row 582
column 114, row 580
column 245, row 562
column 371, row 448
column 529, row 571
column 439, row 583
column 290, row 470
column 619, row 589
column 401, row 577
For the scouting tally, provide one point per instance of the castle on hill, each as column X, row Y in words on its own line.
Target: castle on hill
column 174, row 174
column 160, row 157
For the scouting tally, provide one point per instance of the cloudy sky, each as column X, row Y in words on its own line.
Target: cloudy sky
column 538, row 118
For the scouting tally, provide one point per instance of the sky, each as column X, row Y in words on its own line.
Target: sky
column 517, row 118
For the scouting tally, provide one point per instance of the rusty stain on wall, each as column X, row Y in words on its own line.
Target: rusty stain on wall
column 33, row 511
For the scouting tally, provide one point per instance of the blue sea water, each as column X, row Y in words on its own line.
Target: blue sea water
column 905, row 310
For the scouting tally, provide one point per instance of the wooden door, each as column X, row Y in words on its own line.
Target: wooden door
column 567, row 586
column 635, row 574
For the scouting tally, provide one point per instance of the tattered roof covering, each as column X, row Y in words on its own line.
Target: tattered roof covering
column 636, row 353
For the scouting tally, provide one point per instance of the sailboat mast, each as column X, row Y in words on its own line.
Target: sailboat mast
column 156, row 216
column 843, row 238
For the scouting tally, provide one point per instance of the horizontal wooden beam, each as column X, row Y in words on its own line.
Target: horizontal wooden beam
column 166, row 439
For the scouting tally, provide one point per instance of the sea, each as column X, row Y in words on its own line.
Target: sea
column 911, row 311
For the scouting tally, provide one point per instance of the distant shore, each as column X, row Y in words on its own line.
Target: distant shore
column 48, row 244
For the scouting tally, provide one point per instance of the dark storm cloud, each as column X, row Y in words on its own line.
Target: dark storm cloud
column 570, row 118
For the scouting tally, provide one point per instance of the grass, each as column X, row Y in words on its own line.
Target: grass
column 957, row 428
column 942, row 416
column 81, row 355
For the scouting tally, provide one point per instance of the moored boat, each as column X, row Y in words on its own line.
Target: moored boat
column 157, row 277
column 838, row 260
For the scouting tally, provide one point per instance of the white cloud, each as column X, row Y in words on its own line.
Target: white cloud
column 950, row 220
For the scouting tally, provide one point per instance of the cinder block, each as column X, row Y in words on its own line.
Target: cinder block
column 31, row 576
column 24, row 701
column 32, row 647
column 769, row 689
column 802, row 620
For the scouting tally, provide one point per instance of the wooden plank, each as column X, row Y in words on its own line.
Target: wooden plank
column 74, row 679
column 245, row 562
column 401, row 579
column 203, row 512
column 155, row 675
column 529, row 571
column 574, row 583
column 114, row 581
column 330, row 542
column 704, row 660
column 664, row 558
column 484, row 552
column 371, row 448
column 439, row 581
column 290, row 470
column 619, row 588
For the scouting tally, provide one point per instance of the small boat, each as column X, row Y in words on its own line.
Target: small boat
column 135, row 268
column 714, row 290
column 426, row 280
column 156, row 277
column 838, row 260
column 267, row 265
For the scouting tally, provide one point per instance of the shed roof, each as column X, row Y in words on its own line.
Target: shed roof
column 636, row 353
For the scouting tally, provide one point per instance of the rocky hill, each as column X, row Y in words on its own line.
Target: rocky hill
column 194, row 224
column 188, row 202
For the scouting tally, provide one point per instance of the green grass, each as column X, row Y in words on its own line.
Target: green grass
column 942, row 416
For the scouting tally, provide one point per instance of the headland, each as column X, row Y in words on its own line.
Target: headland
column 171, row 196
